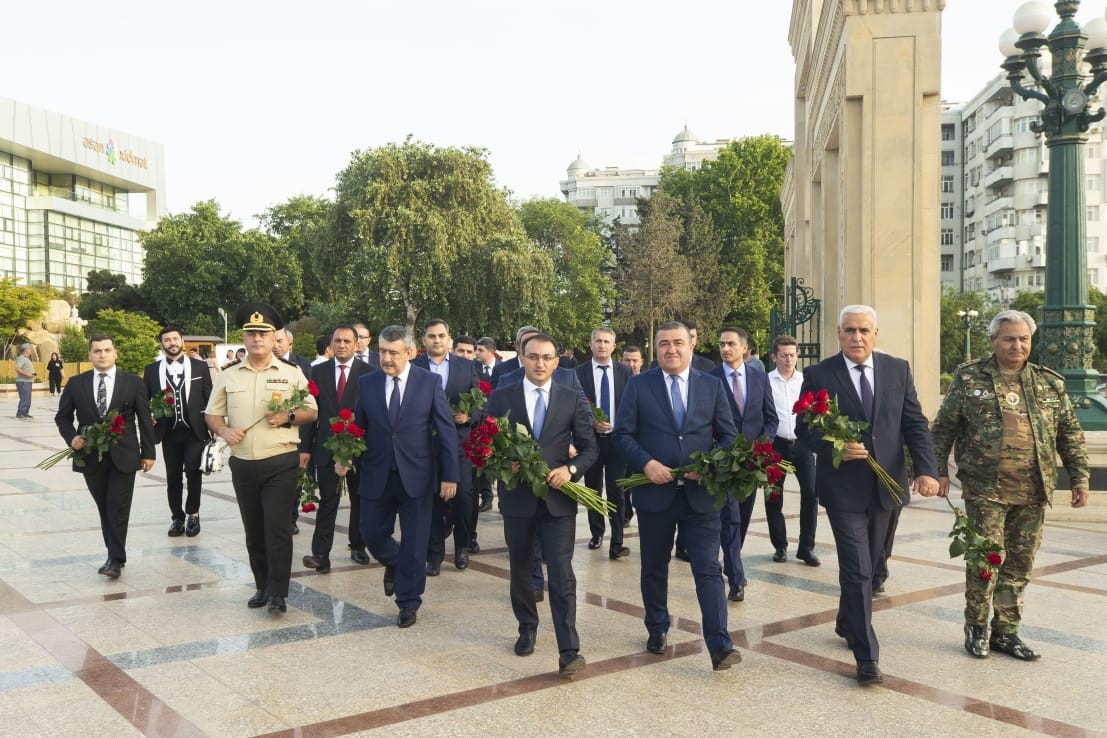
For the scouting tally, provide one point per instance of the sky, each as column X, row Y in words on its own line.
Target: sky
column 257, row 102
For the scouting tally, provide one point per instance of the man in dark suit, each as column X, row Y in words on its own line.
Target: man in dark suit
column 182, row 436
column 603, row 380
column 555, row 423
column 751, row 402
column 402, row 408
column 456, row 376
column 90, row 397
column 876, row 388
column 666, row 414
column 283, row 350
column 486, row 362
column 337, row 380
column 513, row 364
column 363, row 353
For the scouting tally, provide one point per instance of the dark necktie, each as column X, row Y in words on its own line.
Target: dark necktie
column 605, row 392
column 866, row 393
column 678, row 401
column 102, row 395
column 341, row 381
column 739, row 395
column 394, row 403
column 487, row 371
column 539, row 414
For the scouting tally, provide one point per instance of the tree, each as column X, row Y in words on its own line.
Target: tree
column 73, row 345
column 952, row 326
column 654, row 279
column 306, row 226
column 136, row 337
column 582, row 263
column 107, row 290
column 17, row 306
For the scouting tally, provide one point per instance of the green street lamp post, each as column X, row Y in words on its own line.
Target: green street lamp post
column 1065, row 330
column 968, row 316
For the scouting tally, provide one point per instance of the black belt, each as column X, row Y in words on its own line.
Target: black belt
column 787, row 441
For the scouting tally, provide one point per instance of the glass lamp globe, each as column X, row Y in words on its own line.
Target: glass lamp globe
column 1032, row 17
column 1007, row 43
column 1096, row 29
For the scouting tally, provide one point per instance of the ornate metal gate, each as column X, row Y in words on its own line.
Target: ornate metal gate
column 799, row 317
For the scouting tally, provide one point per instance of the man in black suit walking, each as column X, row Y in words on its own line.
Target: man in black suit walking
column 91, row 396
column 283, row 350
column 876, row 388
column 183, row 435
column 603, row 379
column 556, row 417
column 337, row 380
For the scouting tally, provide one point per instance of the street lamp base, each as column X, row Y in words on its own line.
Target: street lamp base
column 1091, row 411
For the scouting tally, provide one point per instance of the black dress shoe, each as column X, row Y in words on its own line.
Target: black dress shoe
column 524, row 646
column 276, row 604
column 780, row 555
column 725, row 658
column 868, row 673
column 656, row 643
column 359, row 556
column 461, row 558
column 192, row 527
column 295, row 529
column 569, row 664
column 1012, row 645
column 809, row 558
column 389, row 580
column 976, row 640
column 474, row 547
column 485, row 506
column 680, row 553
column 111, row 569
column 539, row 594
column 595, row 543
column 320, row 564
column 104, row 567
column 618, row 553
column 737, row 593
column 406, row 618
column 433, row 569
column 177, row 528
column 258, row 600
column 878, row 586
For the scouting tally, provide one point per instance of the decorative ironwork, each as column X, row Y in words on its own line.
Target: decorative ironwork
column 799, row 317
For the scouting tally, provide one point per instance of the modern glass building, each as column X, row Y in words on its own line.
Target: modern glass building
column 73, row 197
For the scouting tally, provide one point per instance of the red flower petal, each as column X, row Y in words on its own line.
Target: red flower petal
column 994, row 558
column 338, row 427
column 313, row 389
column 346, row 413
column 986, row 575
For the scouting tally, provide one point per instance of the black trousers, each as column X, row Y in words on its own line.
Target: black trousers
column 322, row 541
column 804, row 462
column 112, row 490
column 880, row 566
column 266, row 489
column 182, row 453
column 601, row 477
column 459, row 511
column 859, row 539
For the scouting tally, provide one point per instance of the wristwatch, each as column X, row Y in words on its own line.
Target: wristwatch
column 572, row 470
column 291, row 418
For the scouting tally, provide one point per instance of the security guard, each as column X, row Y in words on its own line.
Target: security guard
column 264, row 461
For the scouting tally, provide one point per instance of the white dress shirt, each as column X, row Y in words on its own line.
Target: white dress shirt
column 597, row 378
column 682, row 384
column 855, row 376
column 349, row 367
column 786, row 393
column 109, row 383
column 388, row 385
column 530, row 397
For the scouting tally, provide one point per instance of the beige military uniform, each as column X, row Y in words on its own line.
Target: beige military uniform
column 242, row 394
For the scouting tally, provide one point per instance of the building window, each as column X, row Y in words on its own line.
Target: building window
column 947, row 209
column 949, row 132
column 947, row 236
column 1093, row 276
column 947, row 262
column 1091, row 150
column 1093, row 244
column 947, row 183
column 1092, row 182
column 948, row 158
column 1092, row 213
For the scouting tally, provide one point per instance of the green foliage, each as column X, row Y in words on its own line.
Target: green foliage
column 107, row 290
column 304, row 332
column 17, row 306
column 136, row 337
column 73, row 345
column 944, row 381
column 952, row 327
column 307, row 227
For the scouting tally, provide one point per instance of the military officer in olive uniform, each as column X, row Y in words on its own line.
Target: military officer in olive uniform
column 264, row 460
column 1006, row 420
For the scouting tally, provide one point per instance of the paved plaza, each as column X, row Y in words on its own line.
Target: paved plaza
column 170, row 648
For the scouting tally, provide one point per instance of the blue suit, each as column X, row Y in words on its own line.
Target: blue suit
column 646, row 429
column 400, row 472
column 758, row 418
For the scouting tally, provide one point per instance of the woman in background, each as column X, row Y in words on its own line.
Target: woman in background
column 54, row 369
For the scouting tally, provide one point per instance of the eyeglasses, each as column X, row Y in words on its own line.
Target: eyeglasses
column 548, row 359
column 363, row 336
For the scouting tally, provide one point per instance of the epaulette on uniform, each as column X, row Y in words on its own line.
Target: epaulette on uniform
column 966, row 364
column 290, row 363
column 230, row 364
column 1048, row 370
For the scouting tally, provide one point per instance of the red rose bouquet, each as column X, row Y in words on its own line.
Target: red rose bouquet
column 506, row 451
column 979, row 551
column 472, row 400
column 346, row 443
column 737, row 469
column 821, row 414
column 307, row 486
column 163, row 403
column 99, row 437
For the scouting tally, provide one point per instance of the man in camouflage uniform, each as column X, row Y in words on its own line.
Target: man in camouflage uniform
column 1006, row 420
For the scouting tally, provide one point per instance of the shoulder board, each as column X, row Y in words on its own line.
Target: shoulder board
column 233, row 363
column 1046, row 370
column 967, row 364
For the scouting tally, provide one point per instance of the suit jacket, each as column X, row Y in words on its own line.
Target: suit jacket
column 759, row 418
column 587, row 378
column 646, row 429
column 567, row 421
column 504, row 367
column 314, row 435
column 897, row 420
column 301, row 361
column 197, row 391
column 372, row 359
column 129, row 397
column 423, row 445
column 478, row 367
column 462, row 378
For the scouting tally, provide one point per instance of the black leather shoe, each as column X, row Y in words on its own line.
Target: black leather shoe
column 976, row 640
column 878, row 586
column 433, row 569
column 295, row 529
column 780, row 555
column 177, row 528
column 1012, row 645
column 258, row 600
column 524, row 646
column 461, row 558
column 680, row 553
column 474, row 547
column 656, row 643
column 595, row 543
column 406, row 618
column 389, row 580
column 838, row 631
column 192, row 527
column 737, row 593
column 539, row 594
column 725, row 658
column 569, row 664
column 359, row 557
column 485, row 506
column 276, row 604
column 618, row 553
column 318, row 563
column 104, row 567
column 868, row 673
column 111, row 569
column 809, row 558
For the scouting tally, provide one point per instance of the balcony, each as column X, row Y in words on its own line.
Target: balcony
column 1038, row 261
column 1003, row 233
column 999, row 203
column 1003, row 264
column 999, row 146
column 999, row 176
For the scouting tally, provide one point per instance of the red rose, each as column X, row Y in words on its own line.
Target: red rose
column 478, row 462
column 486, row 452
column 308, row 507
column 346, row 413
column 986, row 575
column 117, row 424
column 803, row 403
column 338, row 427
column 484, row 387
column 774, row 474
column 994, row 558
column 820, row 408
column 491, row 426
column 822, row 396
column 777, row 458
column 169, row 400
column 357, row 431
column 313, row 388
column 763, row 449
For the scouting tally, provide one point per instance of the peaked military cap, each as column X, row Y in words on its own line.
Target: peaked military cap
column 257, row 316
